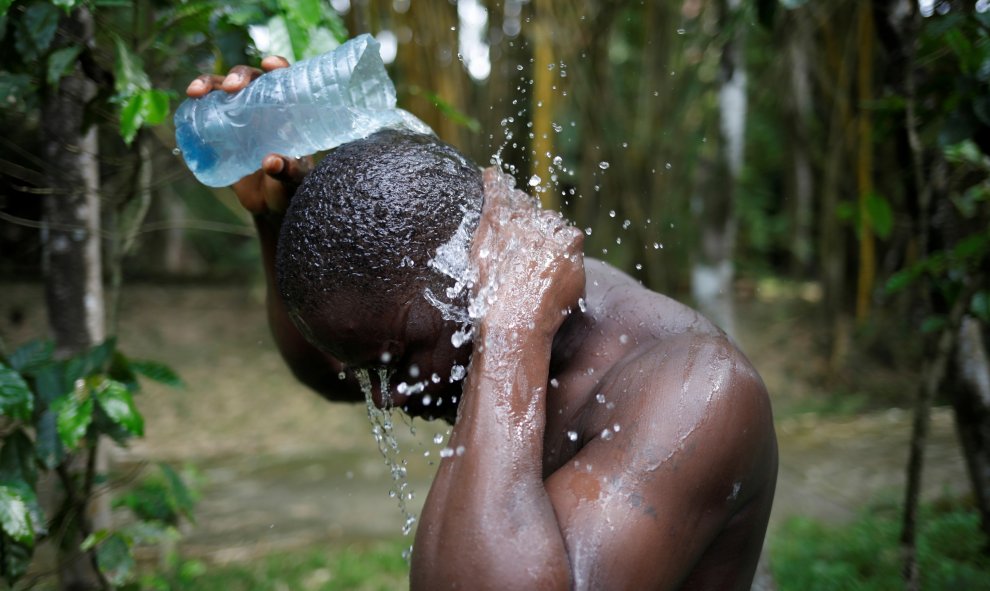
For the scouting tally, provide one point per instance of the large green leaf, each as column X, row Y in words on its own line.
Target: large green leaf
column 881, row 216
column 279, row 39
column 4, row 6
column 31, row 356
column 92, row 361
column 15, row 516
column 129, row 75
column 35, row 31
column 50, row 383
column 74, row 413
column 16, row 399
column 17, row 461
column 117, row 403
column 147, row 107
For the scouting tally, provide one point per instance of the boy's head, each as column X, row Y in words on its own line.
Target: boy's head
column 353, row 254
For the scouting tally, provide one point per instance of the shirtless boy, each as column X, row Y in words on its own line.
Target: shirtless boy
column 608, row 437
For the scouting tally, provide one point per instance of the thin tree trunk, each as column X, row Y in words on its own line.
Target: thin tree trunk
column 971, row 402
column 864, row 163
column 713, row 272
column 803, row 180
column 72, row 260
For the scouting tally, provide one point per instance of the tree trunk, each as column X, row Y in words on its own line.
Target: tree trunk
column 72, row 258
column 971, row 402
column 802, row 192
column 712, row 272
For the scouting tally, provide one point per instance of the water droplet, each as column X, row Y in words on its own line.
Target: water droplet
column 572, row 435
column 414, row 371
column 176, row 152
column 681, row 31
column 341, row 376
column 667, row 166
column 386, row 357
column 435, row 378
column 582, row 305
column 588, row 230
column 558, row 161
column 600, row 398
column 623, row 338
column 534, row 180
column 607, row 434
column 626, row 224
column 446, row 452
column 427, row 400
column 519, row 67
column 457, row 373
column 616, row 427
column 460, row 450
column 611, row 213
column 603, row 165
column 554, row 383
column 557, row 127
column 438, row 438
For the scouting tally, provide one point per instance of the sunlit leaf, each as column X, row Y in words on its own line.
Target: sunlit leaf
column 15, row 517
column 306, row 13
column 60, row 62
column 321, row 40
column 131, row 117
column 93, row 539
column 158, row 372
column 279, row 42
column 35, row 31
column 4, row 5
column 116, row 401
column 16, row 399
column 66, row 5
column 115, row 559
column 129, row 74
column 73, row 417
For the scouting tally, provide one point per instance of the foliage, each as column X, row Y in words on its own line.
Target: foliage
column 52, row 409
column 377, row 566
column 865, row 554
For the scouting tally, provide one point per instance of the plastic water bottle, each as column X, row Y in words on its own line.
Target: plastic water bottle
column 317, row 104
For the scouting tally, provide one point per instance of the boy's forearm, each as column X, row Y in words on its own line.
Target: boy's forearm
column 488, row 519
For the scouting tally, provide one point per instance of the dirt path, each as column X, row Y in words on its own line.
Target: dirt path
column 283, row 469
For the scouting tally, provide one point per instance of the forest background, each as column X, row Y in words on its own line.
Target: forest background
column 825, row 159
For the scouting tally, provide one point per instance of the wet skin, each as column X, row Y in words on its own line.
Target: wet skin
column 626, row 446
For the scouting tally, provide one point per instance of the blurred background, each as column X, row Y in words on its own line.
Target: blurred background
column 811, row 175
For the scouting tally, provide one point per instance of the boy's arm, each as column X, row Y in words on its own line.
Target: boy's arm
column 266, row 194
column 636, row 508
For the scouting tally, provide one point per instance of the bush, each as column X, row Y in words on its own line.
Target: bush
column 865, row 554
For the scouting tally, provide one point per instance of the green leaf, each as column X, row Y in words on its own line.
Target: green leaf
column 158, row 372
column 74, row 413
column 306, row 13
column 35, row 31
column 933, row 324
column 116, row 401
column 50, row 383
column 129, row 75
column 155, row 106
column 93, row 539
column 4, row 6
column 115, row 559
column 15, row 517
column 16, row 559
column 60, row 62
column 92, row 361
column 184, row 499
column 31, row 356
column 48, row 445
column 131, row 117
column 880, row 215
column 16, row 399
column 321, row 40
column 17, row 460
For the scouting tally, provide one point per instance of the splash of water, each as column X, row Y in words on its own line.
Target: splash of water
column 382, row 428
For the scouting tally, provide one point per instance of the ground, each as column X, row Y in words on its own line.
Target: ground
column 282, row 469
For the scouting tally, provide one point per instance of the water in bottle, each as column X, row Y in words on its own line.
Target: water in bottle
column 317, row 104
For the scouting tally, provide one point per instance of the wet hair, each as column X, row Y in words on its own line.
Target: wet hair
column 369, row 217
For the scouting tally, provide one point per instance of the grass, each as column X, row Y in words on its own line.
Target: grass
column 864, row 555
column 373, row 566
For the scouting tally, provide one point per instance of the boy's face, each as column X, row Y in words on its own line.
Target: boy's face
column 411, row 340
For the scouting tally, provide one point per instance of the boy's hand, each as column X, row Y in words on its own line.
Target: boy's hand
column 269, row 189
